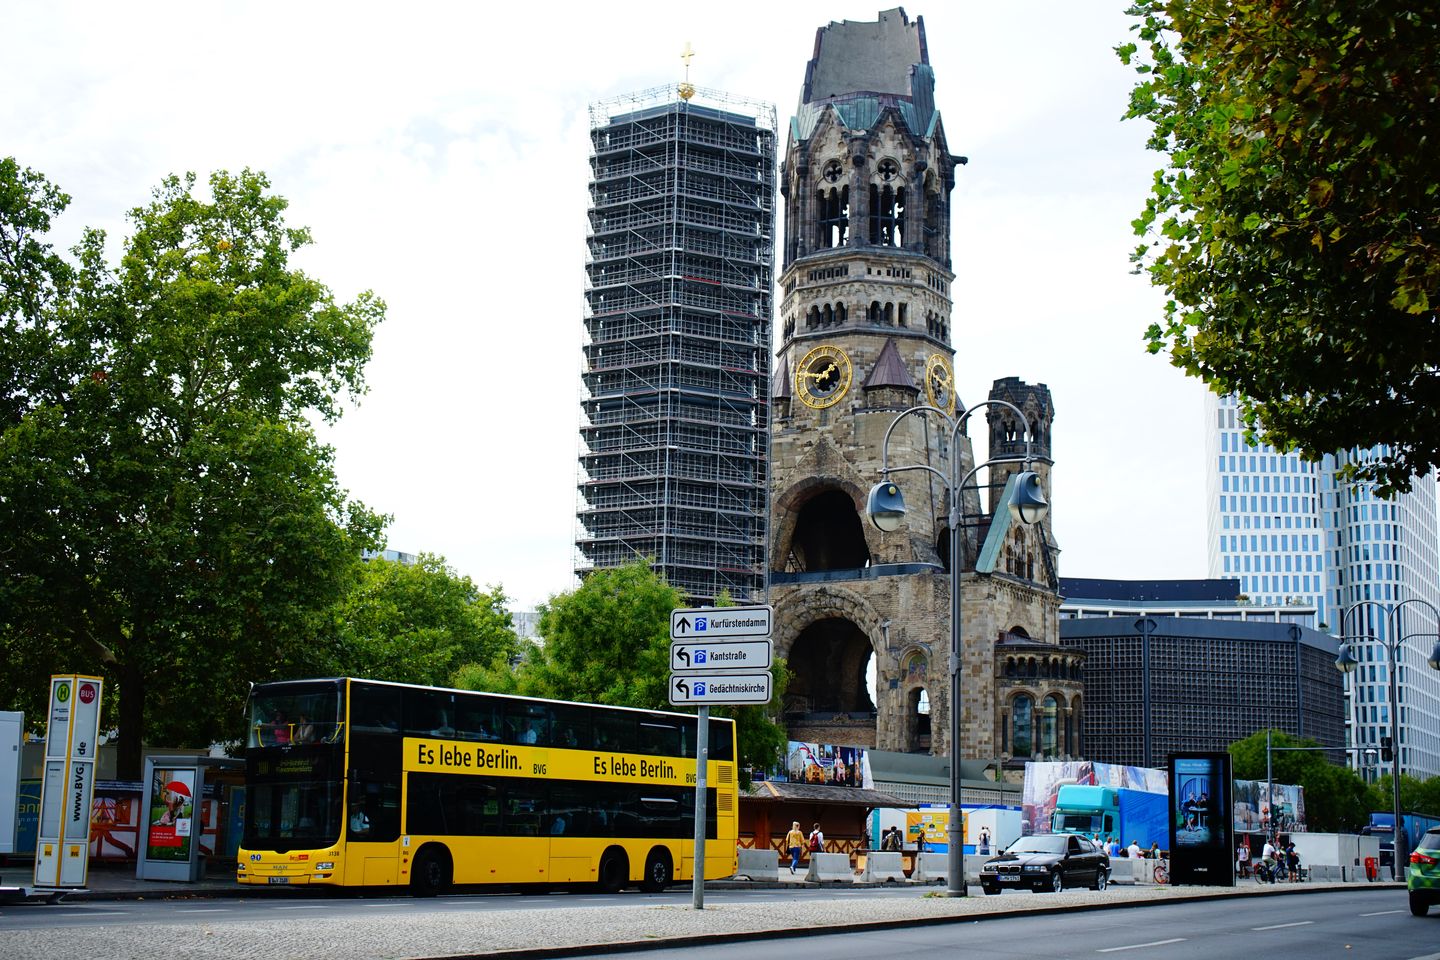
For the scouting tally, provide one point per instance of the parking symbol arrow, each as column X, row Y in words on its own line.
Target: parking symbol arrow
column 682, row 625
column 684, row 654
column 683, row 687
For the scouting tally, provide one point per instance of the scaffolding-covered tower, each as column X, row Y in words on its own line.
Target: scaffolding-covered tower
column 674, row 461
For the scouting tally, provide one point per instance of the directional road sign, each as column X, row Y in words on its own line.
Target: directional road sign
column 716, row 623
column 698, row 656
column 733, row 688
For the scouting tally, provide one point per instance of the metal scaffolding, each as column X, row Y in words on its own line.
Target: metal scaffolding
column 679, row 299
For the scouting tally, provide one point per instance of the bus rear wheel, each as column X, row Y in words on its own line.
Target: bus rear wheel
column 430, row 873
column 614, row 871
column 657, row 872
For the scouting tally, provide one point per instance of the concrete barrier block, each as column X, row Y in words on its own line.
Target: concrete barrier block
column 757, row 864
column 1122, row 870
column 883, row 867
column 830, row 868
column 931, row 868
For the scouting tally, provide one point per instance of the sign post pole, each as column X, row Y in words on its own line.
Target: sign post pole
column 702, row 760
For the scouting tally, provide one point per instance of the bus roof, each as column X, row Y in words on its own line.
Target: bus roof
column 507, row 696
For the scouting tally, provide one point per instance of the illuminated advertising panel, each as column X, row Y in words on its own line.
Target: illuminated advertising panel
column 1201, row 827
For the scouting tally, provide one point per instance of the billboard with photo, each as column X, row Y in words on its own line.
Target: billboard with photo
column 825, row 763
column 1043, row 780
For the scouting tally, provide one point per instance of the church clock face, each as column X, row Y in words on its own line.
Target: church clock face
column 822, row 378
column 940, row 383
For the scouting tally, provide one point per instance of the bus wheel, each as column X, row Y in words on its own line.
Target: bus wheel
column 614, row 871
column 430, row 872
column 657, row 872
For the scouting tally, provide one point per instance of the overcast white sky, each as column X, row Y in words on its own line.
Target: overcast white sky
column 439, row 153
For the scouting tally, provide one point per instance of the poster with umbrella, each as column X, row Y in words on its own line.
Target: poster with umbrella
column 172, row 809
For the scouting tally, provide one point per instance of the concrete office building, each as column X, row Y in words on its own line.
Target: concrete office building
column 1293, row 532
column 679, row 295
column 1178, row 667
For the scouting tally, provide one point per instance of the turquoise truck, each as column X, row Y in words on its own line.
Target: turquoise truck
column 1115, row 812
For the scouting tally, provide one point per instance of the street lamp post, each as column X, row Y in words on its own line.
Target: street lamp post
column 886, row 507
column 1346, row 662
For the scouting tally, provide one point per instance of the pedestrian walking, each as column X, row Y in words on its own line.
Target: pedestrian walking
column 794, row 840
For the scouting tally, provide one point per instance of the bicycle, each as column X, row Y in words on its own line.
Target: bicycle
column 1269, row 871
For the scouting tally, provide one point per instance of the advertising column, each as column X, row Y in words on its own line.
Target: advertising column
column 62, row 844
column 1202, row 848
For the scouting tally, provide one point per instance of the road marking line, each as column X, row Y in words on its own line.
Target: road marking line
column 1281, row 926
column 1382, row 913
column 304, row 907
column 206, row 910
column 1141, row 946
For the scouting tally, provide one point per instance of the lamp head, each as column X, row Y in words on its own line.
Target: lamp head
column 1028, row 504
column 886, row 506
column 1346, row 662
column 1435, row 657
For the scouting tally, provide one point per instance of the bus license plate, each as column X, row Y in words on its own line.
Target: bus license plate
column 279, row 879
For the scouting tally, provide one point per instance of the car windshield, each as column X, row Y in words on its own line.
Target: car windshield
column 1050, row 844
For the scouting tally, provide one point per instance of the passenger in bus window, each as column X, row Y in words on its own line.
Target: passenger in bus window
column 281, row 729
column 359, row 822
column 530, row 734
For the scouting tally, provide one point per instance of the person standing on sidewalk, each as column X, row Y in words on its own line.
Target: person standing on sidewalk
column 794, row 840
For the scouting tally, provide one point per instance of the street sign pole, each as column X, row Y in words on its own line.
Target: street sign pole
column 704, row 642
column 702, row 760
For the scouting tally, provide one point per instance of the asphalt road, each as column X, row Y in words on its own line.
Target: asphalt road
column 1356, row 926
column 1368, row 923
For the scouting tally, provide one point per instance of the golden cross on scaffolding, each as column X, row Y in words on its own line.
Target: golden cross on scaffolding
column 686, row 55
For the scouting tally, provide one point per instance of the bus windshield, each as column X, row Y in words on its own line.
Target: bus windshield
column 294, row 801
column 291, row 713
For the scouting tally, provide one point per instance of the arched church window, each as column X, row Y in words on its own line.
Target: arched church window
column 1022, row 726
column 1049, row 721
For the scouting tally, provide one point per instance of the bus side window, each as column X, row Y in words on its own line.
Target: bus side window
column 572, row 727
column 527, row 725
column 477, row 719
column 615, row 733
column 375, row 708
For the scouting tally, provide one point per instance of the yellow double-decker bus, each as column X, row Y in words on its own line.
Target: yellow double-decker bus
column 365, row 783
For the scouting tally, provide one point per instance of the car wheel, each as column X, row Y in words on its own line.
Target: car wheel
column 657, row 872
column 1102, row 880
column 1419, row 905
column 1057, row 881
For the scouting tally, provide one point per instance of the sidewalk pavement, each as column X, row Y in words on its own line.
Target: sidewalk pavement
column 117, row 881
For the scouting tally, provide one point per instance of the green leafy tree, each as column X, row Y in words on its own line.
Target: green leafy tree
column 167, row 514
column 1294, row 228
column 1335, row 797
column 420, row 623
column 608, row 641
column 1416, row 795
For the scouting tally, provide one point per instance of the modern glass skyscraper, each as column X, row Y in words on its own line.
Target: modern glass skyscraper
column 1292, row 529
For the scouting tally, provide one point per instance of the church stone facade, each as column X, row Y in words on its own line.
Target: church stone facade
column 865, row 333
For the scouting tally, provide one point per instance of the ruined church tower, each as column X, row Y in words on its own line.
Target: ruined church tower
column 865, row 333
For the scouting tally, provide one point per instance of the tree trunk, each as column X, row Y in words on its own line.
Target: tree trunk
column 131, row 690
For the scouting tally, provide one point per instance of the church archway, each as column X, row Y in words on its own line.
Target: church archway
column 828, row 534
column 828, row 663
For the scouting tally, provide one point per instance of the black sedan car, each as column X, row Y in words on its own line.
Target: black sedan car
column 1052, row 862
